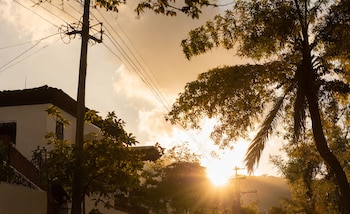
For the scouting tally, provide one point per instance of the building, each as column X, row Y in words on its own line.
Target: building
column 23, row 125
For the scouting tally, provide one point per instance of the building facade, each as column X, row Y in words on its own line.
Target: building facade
column 24, row 119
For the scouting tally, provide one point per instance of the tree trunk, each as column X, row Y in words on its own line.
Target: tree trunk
column 306, row 80
column 326, row 154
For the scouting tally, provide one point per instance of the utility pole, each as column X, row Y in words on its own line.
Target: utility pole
column 77, row 184
column 237, row 207
column 78, row 173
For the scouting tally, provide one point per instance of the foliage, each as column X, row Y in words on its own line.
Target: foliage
column 305, row 40
column 184, row 185
column 110, row 166
column 6, row 172
column 250, row 210
column 177, row 183
column 165, row 7
column 276, row 210
column 235, row 96
column 312, row 182
column 238, row 95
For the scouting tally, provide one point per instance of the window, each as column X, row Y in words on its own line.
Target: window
column 59, row 130
column 9, row 130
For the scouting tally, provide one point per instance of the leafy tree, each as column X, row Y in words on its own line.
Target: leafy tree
column 110, row 166
column 276, row 210
column 303, row 71
column 249, row 210
column 183, row 185
column 177, row 183
column 311, row 181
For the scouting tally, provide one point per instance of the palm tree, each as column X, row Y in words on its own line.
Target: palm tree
column 305, row 65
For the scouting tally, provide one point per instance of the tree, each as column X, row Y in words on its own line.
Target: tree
column 276, row 210
column 311, row 181
column 304, row 67
column 190, row 8
column 176, row 182
column 110, row 166
column 184, row 185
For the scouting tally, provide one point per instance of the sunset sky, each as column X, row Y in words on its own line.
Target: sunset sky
column 137, row 71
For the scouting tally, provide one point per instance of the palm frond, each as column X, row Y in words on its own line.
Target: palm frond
column 258, row 144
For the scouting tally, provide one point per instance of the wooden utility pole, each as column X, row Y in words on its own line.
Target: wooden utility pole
column 78, row 174
column 237, row 209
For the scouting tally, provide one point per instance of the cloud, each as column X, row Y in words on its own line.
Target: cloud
column 20, row 15
column 150, row 111
column 155, row 37
column 132, row 87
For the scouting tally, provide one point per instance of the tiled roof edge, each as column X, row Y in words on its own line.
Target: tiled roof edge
column 39, row 95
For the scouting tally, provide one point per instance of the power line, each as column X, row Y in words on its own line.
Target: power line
column 136, row 66
column 112, row 52
column 62, row 10
column 53, row 14
column 135, row 63
column 10, row 66
column 19, row 44
column 45, row 19
column 153, row 87
column 143, row 61
column 24, row 52
column 127, row 54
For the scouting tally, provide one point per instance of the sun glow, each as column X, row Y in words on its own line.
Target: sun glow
column 219, row 173
column 221, row 170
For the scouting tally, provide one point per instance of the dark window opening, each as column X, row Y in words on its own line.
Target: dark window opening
column 59, row 130
column 9, row 130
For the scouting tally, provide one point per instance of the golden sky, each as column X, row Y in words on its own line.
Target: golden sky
column 151, row 43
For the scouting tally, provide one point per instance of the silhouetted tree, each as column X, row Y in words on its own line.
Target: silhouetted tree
column 312, row 182
column 304, row 70
column 110, row 165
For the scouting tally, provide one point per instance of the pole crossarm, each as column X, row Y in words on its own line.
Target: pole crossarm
column 71, row 30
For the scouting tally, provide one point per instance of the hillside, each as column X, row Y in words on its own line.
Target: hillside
column 268, row 191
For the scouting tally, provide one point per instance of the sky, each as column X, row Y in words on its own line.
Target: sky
column 139, row 60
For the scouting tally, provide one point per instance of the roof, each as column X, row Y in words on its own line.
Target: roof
column 57, row 97
column 40, row 95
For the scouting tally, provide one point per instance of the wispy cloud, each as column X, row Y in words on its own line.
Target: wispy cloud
column 22, row 17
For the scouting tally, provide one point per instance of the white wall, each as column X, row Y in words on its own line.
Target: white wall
column 33, row 124
column 19, row 200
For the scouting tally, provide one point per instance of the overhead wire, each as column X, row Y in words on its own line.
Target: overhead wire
column 132, row 60
column 112, row 52
column 146, row 79
column 4, row 66
column 64, row 11
column 151, row 76
column 45, row 19
column 15, row 63
column 131, row 63
column 148, row 68
column 129, row 55
column 52, row 13
column 19, row 44
column 128, row 58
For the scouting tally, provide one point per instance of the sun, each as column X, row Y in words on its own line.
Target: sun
column 219, row 172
